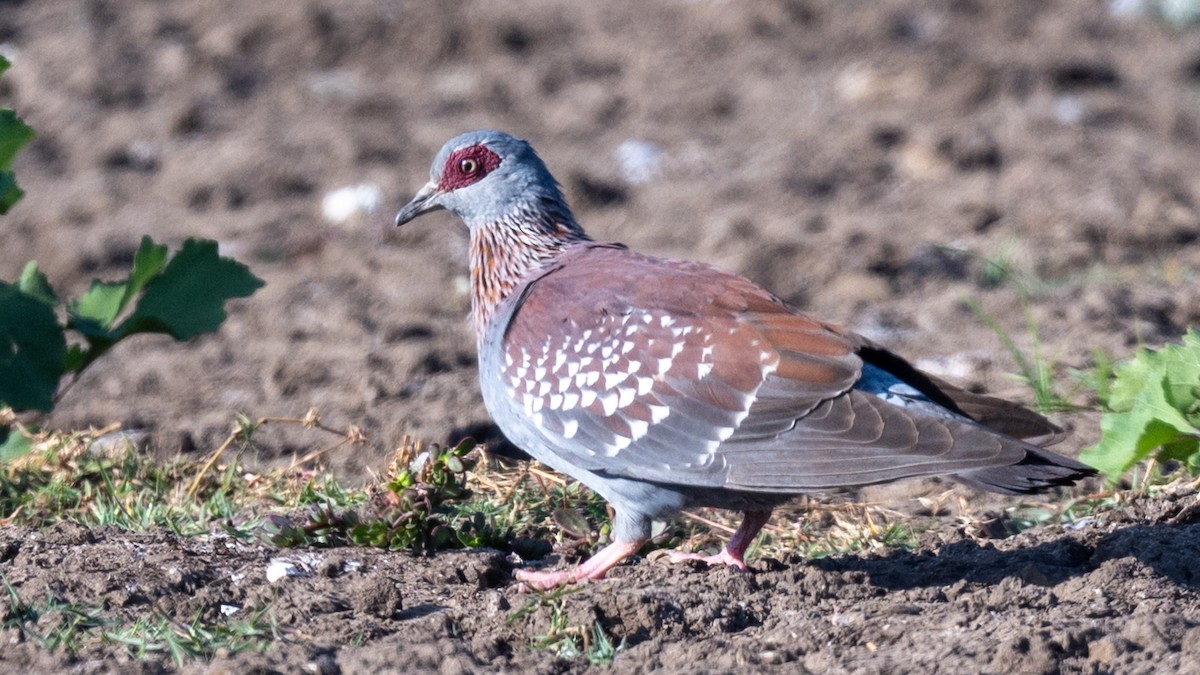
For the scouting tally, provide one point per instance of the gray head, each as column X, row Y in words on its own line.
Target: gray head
column 488, row 178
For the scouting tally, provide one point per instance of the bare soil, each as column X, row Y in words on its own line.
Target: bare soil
column 876, row 163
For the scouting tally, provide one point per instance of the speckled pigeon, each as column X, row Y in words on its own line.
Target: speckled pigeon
column 664, row 385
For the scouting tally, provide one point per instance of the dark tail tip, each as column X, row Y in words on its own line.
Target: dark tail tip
column 1039, row 470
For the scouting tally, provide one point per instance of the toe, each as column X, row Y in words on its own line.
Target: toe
column 544, row 581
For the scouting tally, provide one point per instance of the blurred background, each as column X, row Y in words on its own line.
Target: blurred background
column 882, row 164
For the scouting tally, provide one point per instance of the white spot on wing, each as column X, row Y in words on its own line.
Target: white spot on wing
column 608, row 401
column 638, row 428
column 619, row 444
column 644, row 385
column 586, row 397
column 570, row 400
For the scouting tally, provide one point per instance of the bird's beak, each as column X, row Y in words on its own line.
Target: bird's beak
column 426, row 200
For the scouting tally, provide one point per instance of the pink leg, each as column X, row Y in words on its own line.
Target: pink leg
column 734, row 551
column 593, row 568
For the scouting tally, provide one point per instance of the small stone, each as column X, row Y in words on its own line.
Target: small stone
column 640, row 161
column 278, row 569
column 175, row 576
column 343, row 204
column 118, row 442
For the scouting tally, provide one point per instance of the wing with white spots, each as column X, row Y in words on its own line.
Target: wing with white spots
column 678, row 373
column 650, row 385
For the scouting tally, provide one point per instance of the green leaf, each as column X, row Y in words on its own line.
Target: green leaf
column 1180, row 363
column 9, row 192
column 147, row 263
column 1152, row 409
column 100, row 305
column 75, row 359
column 189, row 297
column 13, row 444
column 32, row 351
column 14, row 134
column 97, row 310
column 34, row 284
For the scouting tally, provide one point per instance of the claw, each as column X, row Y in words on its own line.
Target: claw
column 725, row 557
column 735, row 551
column 594, row 567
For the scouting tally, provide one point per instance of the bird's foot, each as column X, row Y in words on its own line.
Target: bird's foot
column 594, row 567
column 544, row 581
column 725, row 557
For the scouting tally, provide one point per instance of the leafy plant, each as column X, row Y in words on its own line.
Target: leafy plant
column 413, row 511
column 182, row 296
column 14, row 134
column 1153, row 409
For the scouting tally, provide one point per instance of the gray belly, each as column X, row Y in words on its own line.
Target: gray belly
column 733, row 500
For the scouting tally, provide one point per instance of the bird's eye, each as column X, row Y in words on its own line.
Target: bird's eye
column 468, row 166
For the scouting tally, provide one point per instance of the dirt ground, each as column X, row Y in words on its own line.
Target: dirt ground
column 1117, row 594
column 876, row 163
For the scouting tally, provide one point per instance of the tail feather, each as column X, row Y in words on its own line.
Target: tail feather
column 1040, row 470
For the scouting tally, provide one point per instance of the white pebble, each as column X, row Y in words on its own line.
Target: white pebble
column 278, row 569
column 342, row 204
column 640, row 161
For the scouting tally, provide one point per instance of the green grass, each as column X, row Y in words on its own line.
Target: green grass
column 52, row 623
column 1034, row 369
column 568, row 641
column 59, row 625
column 63, row 480
column 197, row 639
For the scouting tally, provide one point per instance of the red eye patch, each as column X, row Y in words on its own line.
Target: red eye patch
column 466, row 166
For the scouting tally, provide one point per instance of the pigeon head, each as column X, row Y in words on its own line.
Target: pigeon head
column 492, row 179
column 514, row 208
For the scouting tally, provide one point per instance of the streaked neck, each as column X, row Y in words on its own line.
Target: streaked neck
column 503, row 255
